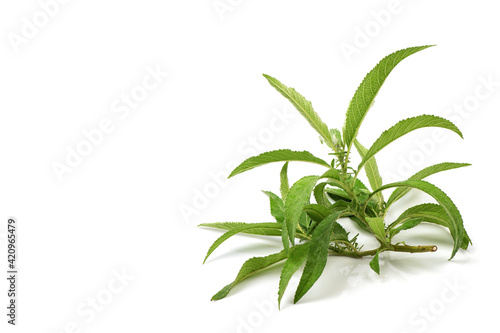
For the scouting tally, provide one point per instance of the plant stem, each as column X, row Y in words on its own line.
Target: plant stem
column 394, row 248
column 414, row 249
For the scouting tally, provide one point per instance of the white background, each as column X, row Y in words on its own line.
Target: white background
column 119, row 210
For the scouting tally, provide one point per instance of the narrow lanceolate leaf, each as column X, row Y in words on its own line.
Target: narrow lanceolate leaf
column 406, row 126
column 376, row 224
column 237, row 225
column 427, row 212
column 282, row 155
column 317, row 256
column 374, row 264
column 426, row 172
column 251, row 266
column 320, row 195
column 317, row 212
column 304, row 107
column 456, row 223
column 232, row 232
column 297, row 198
column 368, row 89
column 296, row 258
column 277, row 206
column 372, row 172
column 408, row 224
column 337, row 194
column 284, row 186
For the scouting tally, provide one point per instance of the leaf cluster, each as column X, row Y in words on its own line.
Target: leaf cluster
column 308, row 214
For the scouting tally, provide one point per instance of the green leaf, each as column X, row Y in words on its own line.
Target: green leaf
column 456, row 223
column 408, row 224
column 337, row 139
column 297, row 198
column 296, row 258
column 427, row 212
column 238, row 225
column 333, row 177
column 377, row 225
column 304, row 107
column 317, row 212
column 284, row 237
column 277, row 206
column 374, row 264
column 317, row 256
column 368, row 89
column 234, row 231
column 282, row 155
column 337, row 194
column 284, row 186
column 405, row 126
column 332, row 174
column 339, row 230
column 426, row 172
column 251, row 266
column 320, row 195
column 372, row 172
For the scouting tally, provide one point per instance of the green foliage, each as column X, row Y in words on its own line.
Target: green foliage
column 281, row 155
column 305, row 109
column 403, row 127
column 377, row 226
column 296, row 258
column 251, row 266
column 424, row 173
column 374, row 264
column 371, row 169
column 318, row 253
column 368, row 89
column 310, row 213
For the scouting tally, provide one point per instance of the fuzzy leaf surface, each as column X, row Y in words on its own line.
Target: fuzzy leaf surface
column 304, row 107
column 426, row 172
column 365, row 94
column 317, row 212
column 374, row 264
column 456, row 223
column 277, row 206
column 377, row 226
column 234, row 231
column 427, row 212
column 284, row 186
column 251, row 266
column 407, row 224
column 320, row 195
column 296, row 258
column 281, row 155
column 298, row 196
column 406, row 126
column 371, row 170
column 317, row 256
column 237, row 225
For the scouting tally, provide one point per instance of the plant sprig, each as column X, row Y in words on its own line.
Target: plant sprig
column 310, row 231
